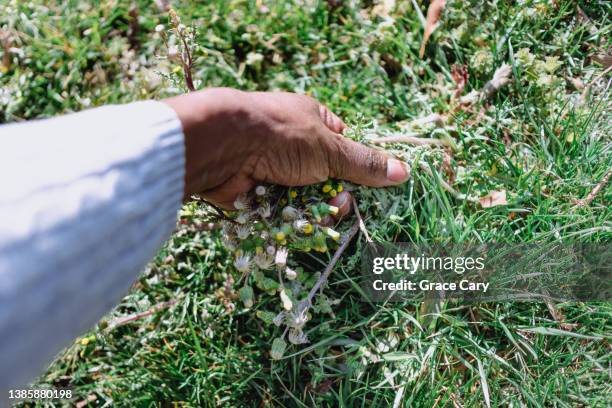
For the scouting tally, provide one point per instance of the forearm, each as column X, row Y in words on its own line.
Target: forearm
column 86, row 201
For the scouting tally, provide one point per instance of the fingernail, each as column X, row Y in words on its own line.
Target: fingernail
column 397, row 172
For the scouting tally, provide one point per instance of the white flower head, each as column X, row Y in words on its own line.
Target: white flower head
column 242, row 218
column 159, row 28
column 243, row 263
column 241, row 202
column 281, row 257
column 260, row 190
column 243, row 232
column 229, row 242
column 303, row 226
column 290, row 213
column 264, row 261
column 264, row 210
column 297, row 337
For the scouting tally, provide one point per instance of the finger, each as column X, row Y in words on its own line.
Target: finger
column 331, row 120
column 225, row 195
column 360, row 164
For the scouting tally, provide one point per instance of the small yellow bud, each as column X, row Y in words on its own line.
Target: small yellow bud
column 333, row 193
column 84, row 341
column 327, row 188
column 340, row 188
column 308, row 229
column 279, row 236
column 292, row 193
column 258, row 250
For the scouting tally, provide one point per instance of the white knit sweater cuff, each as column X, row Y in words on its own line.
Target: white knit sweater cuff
column 90, row 199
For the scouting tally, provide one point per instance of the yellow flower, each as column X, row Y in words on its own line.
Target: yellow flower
column 279, row 236
column 327, row 188
column 340, row 188
column 333, row 193
column 292, row 193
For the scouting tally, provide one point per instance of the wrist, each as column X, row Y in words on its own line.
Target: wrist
column 214, row 123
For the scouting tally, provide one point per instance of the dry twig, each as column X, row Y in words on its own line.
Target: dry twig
column 307, row 303
column 416, row 141
column 587, row 200
column 361, row 223
column 121, row 321
column 588, row 87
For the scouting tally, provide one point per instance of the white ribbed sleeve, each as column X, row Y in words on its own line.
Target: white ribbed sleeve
column 86, row 200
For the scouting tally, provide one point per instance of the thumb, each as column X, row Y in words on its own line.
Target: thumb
column 363, row 165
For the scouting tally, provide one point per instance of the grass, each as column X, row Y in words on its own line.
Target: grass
column 531, row 139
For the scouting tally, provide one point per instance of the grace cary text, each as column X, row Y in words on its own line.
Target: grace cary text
column 426, row 285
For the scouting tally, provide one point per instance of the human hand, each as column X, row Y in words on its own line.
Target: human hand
column 235, row 140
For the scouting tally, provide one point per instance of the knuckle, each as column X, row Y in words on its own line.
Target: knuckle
column 339, row 159
column 375, row 162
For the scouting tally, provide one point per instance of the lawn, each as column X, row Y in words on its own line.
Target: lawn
column 513, row 100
